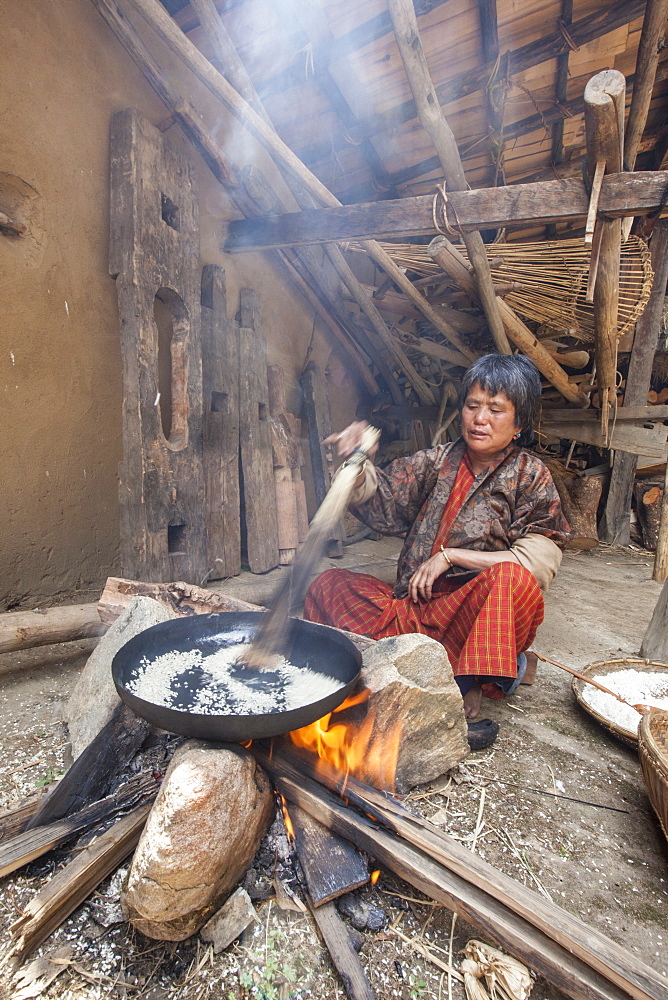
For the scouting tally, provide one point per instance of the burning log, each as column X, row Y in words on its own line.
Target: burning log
column 73, row 884
column 92, row 773
column 24, row 847
column 573, row 956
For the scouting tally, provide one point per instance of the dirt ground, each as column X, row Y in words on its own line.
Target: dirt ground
column 607, row 865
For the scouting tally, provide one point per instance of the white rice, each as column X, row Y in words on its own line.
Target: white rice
column 638, row 687
column 207, row 685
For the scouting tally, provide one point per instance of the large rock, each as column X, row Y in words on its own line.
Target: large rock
column 212, row 810
column 94, row 698
column 415, row 700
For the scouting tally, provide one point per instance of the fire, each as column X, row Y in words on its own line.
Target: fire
column 357, row 748
column 286, row 819
column 374, row 876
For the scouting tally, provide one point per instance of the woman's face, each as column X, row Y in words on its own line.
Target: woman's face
column 488, row 423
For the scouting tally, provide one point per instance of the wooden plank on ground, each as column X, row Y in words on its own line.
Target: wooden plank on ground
column 220, row 388
column 332, row 866
column 538, row 203
column 345, row 958
column 70, row 886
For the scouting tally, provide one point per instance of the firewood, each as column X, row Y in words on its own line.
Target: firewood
column 25, row 847
column 73, row 884
column 331, row 865
column 576, row 958
column 182, row 598
column 94, row 770
column 43, row 626
column 336, row 937
column 13, row 821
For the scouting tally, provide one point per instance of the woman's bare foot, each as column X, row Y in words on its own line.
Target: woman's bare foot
column 472, row 702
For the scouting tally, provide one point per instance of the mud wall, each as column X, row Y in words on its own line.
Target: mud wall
column 63, row 75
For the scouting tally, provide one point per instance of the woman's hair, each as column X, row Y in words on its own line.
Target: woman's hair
column 516, row 377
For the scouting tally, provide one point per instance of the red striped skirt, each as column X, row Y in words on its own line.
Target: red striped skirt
column 483, row 623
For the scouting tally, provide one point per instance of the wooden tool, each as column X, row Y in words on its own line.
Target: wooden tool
column 643, row 709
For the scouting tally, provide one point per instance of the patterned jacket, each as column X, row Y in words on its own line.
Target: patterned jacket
column 512, row 498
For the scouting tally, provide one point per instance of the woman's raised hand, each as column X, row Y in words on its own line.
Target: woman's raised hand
column 423, row 579
column 349, row 440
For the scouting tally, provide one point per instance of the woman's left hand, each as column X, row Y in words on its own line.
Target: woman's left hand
column 421, row 583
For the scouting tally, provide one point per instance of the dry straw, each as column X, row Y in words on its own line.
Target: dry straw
column 551, row 279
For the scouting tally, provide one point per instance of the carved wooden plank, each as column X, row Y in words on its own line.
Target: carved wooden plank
column 154, row 256
column 319, row 424
column 486, row 208
column 220, row 386
column 259, row 494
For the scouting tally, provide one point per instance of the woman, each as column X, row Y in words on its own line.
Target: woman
column 484, row 529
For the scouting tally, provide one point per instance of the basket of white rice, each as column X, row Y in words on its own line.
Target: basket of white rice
column 636, row 681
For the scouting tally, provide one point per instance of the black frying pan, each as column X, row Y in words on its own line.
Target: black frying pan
column 309, row 645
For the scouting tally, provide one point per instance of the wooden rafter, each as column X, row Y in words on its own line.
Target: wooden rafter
column 162, row 23
column 651, row 44
column 431, row 117
column 561, row 87
column 603, row 20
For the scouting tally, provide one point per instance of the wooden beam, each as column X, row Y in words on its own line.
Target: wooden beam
column 604, row 19
column 604, row 125
column 660, row 569
column 516, row 205
column 655, row 641
column 615, row 524
column 452, row 262
column 407, row 34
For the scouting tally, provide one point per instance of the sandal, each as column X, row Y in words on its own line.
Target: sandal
column 482, row 734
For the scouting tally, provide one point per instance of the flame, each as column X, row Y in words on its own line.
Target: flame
column 357, row 748
column 287, row 820
column 374, row 876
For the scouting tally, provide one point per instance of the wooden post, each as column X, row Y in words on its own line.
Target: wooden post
column 452, row 262
column 407, row 34
column 655, row 641
column 615, row 523
column 154, row 257
column 259, row 495
column 604, row 99
column 661, row 558
column 220, row 387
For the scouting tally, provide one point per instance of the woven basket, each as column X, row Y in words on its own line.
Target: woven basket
column 600, row 670
column 553, row 279
column 653, row 751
